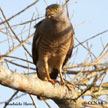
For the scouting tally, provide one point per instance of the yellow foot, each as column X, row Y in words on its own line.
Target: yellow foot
column 68, row 86
column 52, row 81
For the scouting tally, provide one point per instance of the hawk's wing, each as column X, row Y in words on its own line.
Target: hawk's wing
column 35, row 43
column 69, row 53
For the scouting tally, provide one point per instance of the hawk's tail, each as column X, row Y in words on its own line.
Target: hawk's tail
column 54, row 73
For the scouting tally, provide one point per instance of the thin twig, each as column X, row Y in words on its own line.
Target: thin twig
column 2, row 58
column 34, row 102
column 20, row 12
column 66, row 1
column 18, row 58
column 84, row 46
column 23, row 23
column 13, row 31
column 47, row 104
column 10, row 99
column 26, row 67
column 84, row 65
column 85, row 71
column 94, row 36
column 102, row 80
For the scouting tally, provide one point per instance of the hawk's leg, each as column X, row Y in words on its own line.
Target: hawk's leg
column 61, row 77
column 47, row 73
column 62, row 81
column 49, row 79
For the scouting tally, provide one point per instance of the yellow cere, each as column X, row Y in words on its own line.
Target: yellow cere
column 48, row 10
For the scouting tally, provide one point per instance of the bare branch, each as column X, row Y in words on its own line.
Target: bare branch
column 14, row 32
column 91, row 38
column 20, row 12
column 1, row 59
column 33, row 85
column 6, row 103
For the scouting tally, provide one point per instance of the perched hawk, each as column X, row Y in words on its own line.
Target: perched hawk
column 52, row 43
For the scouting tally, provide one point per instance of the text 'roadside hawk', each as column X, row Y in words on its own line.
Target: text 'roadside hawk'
column 52, row 43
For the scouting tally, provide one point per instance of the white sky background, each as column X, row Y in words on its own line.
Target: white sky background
column 94, row 14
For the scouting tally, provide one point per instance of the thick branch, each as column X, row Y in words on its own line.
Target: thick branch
column 32, row 85
column 35, row 86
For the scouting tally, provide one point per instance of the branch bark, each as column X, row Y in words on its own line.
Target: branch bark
column 35, row 86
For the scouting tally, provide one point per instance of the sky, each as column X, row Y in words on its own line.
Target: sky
column 88, row 17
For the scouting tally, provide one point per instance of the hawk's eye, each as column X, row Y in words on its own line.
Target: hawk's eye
column 56, row 9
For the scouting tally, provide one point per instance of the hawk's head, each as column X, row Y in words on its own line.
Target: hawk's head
column 54, row 11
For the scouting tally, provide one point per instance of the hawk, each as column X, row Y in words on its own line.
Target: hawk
column 52, row 43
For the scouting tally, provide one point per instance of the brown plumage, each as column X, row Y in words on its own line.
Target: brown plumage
column 52, row 43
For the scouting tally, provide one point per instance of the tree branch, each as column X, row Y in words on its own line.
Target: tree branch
column 20, row 12
column 35, row 86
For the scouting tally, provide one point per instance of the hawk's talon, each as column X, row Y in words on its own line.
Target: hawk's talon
column 62, row 83
column 68, row 86
column 52, row 81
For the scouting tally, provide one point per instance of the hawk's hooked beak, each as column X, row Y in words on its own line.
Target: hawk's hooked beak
column 49, row 13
